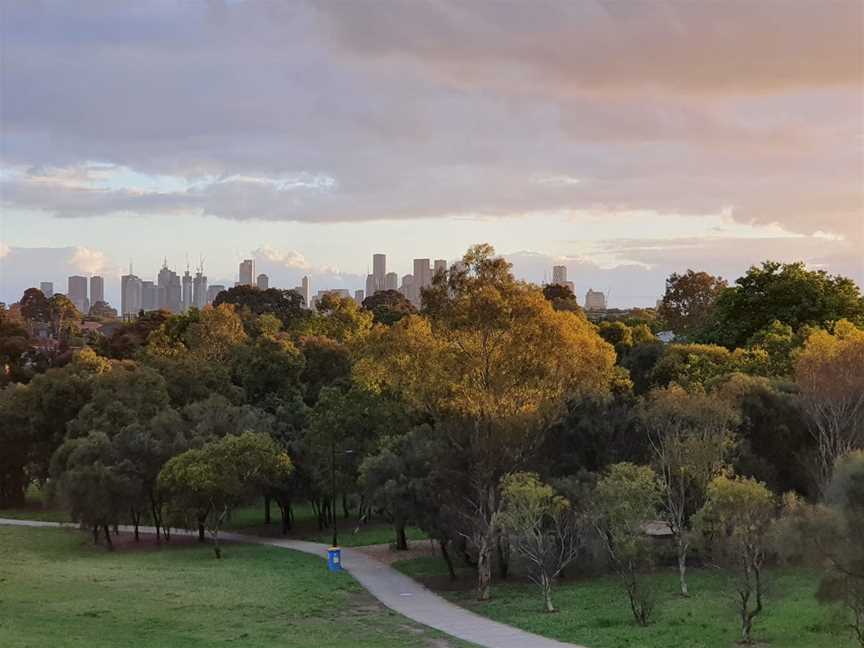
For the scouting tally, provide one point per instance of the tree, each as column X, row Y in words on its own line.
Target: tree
column 830, row 375
column 542, row 527
column 690, row 435
column 626, row 497
column 619, row 335
column 735, row 523
column 388, row 306
column 287, row 305
column 64, row 315
column 103, row 310
column 327, row 364
column 269, row 367
column 688, row 301
column 492, row 356
column 788, row 293
column 35, row 307
column 561, row 296
column 215, row 334
column 341, row 319
column 692, row 365
column 221, row 474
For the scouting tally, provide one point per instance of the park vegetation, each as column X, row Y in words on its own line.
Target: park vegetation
column 497, row 418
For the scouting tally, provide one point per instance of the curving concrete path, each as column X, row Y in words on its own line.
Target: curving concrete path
column 395, row 590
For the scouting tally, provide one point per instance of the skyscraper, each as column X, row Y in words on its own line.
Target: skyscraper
column 199, row 289
column 130, row 295
column 47, row 288
column 247, row 273
column 170, row 292
column 149, row 296
column 97, row 289
column 559, row 277
column 422, row 279
column 213, row 291
column 370, row 284
column 187, row 291
column 595, row 300
column 306, row 288
column 391, row 281
column 440, row 266
column 379, row 271
column 77, row 293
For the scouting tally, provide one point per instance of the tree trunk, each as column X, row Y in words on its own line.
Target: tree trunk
column 200, row 531
column 136, row 518
column 683, row 546
column 484, row 568
column 546, row 584
column 503, row 554
column 108, row 537
column 401, row 538
column 266, row 509
column 446, row 555
column 96, row 534
column 157, row 519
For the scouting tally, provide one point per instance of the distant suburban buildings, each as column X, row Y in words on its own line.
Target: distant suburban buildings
column 595, row 300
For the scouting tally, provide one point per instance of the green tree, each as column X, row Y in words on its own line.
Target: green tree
column 221, row 474
column 493, row 355
column 327, row 363
column 690, row 435
column 689, row 300
column 64, row 315
column 788, row 293
column 625, row 498
column 542, row 526
column 692, row 365
column 102, row 310
column 388, row 306
column 341, row 319
column 561, row 296
column 287, row 305
column 735, row 524
column 830, row 375
column 35, row 307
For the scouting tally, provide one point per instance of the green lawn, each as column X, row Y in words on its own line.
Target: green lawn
column 595, row 612
column 57, row 589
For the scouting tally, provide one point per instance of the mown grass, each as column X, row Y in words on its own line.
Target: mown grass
column 57, row 589
column 594, row 612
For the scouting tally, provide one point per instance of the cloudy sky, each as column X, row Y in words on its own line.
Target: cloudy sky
column 624, row 139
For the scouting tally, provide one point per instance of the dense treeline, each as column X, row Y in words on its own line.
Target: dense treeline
column 498, row 419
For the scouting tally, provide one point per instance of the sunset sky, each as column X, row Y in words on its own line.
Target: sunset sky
column 626, row 140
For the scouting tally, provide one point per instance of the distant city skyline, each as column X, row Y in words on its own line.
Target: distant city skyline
column 307, row 136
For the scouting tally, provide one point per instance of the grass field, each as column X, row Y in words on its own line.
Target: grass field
column 594, row 612
column 57, row 589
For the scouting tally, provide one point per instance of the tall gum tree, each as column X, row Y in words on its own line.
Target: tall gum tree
column 493, row 355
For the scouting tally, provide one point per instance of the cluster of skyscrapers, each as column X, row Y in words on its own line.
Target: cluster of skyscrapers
column 412, row 284
column 77, row 291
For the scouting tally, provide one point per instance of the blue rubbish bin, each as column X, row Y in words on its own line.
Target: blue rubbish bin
column 334, row 559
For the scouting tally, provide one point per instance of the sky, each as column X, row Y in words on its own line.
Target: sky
column 625, row 140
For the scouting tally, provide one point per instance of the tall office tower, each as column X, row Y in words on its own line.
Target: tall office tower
column 170, row 291
column 247, row 273
column 213, row 291
column 149, row 296
column 559, row 274
column 97, row 289
column 422, row 279
column 370, row 284
column 187, row 290
column 595, row 300
column 77, row 293
column 407, row 288
column 47, row 288
column 263, row 282
column 379, row 271
column 130, row 295
column 199, row 289
column 306, row 291
column 358, row 297
column 391, row 281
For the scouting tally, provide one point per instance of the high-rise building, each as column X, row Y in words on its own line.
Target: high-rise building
column 213, row 291
column 263, row 282
column 422, row 279
column 247, row 273
column 187, row 290
column 379, row 271
column 559, row 277
column 407, row 288
column 440, row 265
column 130, row 295
column 306, row 291
column 149, row 296
column 358, row 297
column 595, row 300
column 47, row 288
column 199, row 289
column 391, row 281
column 77, row 293
column 97, row 289
column 170, row 291
column 370, row 284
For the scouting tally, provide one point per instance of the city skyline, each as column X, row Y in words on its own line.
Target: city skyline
column 306, row 137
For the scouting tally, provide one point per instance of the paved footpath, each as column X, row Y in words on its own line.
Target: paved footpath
column 395, row 590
